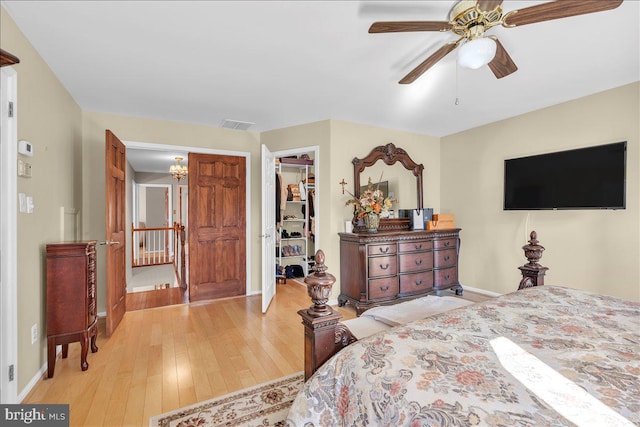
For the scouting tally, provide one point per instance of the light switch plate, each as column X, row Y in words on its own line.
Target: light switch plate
column 29, row 204
column 23, row 202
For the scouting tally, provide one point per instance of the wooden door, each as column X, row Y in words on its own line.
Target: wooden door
column 116, row 163
column 217, row 226
column 268, row 227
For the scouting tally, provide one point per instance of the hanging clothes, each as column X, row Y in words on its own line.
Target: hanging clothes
column 311, row 200
column 278, row 196
column 282, row 205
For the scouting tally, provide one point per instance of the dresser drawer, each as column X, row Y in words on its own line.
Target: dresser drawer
column 387, row 249
column 417, row 261
column 381, row 289
column 445, row 243
column 416, row 282
column 420, row 245
column 445, row 258
column 382, row 266
column 446, row 276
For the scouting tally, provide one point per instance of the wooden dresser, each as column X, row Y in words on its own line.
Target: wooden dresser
column 71, row 300
column 388, row 267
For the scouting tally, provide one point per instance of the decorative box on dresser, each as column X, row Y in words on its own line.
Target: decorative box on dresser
column 71, row 300
column 389, row 267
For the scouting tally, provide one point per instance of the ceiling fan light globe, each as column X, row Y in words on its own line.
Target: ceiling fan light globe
column 477, row 52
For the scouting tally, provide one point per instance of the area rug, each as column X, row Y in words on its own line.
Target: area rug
column 263, row 405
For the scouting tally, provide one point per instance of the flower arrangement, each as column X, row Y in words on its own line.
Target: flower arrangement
column 371, row 201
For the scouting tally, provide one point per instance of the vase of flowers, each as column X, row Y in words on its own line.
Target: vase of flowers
column 370, row 206
column 372, row 222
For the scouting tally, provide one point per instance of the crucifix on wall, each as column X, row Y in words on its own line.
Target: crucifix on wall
column 343, row 183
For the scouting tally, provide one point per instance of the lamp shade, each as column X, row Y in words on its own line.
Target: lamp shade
column 477, row 52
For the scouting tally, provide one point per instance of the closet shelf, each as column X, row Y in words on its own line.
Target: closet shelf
column 284, row 239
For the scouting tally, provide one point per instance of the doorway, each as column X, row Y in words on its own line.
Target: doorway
column 153, row 238
column 178, row 212
column 295, row 226
column 8, row 237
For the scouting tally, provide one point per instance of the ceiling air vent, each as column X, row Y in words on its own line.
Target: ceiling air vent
column 236, row 124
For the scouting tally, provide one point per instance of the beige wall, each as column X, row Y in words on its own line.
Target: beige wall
column 167, row 133
column 51, row 120
column 309, row 135
column 350, row 140
column 595, row 250
column 339, row 143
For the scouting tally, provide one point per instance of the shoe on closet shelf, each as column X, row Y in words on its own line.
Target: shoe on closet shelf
column 285, row 235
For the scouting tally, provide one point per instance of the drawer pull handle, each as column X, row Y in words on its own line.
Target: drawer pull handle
column 418, row 282
column 384, row 267
column 418, row 246
column 385, row 250
column 446, row 258
column 446, row 243
column 418, row 261
column 384, row 288
column 446, row 277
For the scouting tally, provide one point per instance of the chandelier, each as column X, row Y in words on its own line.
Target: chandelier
column 178, row 171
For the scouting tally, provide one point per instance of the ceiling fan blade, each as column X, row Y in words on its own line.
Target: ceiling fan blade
column 557, row 10
column 488, row 5
column 502, row 65
column 429, row 62
column 407, row 26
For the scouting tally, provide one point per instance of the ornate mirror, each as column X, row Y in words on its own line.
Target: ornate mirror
column 389, row 154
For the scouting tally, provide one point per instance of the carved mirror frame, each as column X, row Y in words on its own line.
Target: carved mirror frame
column 389, row 154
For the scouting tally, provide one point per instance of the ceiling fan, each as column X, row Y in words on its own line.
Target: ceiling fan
column 470, row 19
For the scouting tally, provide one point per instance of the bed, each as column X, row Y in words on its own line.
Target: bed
column 540, row 356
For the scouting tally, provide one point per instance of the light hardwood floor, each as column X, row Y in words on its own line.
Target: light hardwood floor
column 161, row 359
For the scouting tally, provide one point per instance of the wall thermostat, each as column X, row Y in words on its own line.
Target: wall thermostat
column 25, row 147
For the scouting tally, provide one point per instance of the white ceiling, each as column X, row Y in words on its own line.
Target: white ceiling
column 284, row 63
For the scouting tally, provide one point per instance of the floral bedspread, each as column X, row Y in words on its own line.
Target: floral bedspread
column 545, row 356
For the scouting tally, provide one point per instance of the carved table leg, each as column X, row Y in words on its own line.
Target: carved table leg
column 84, row 349
column 94, row 336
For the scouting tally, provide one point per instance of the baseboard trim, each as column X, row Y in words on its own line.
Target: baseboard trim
column 37, row 377
column 481, row 291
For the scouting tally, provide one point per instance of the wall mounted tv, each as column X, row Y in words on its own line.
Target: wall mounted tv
column 585, row 178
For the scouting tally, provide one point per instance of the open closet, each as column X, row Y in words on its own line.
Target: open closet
column 295, row 216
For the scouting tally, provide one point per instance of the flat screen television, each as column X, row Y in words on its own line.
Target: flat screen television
column 585, row 178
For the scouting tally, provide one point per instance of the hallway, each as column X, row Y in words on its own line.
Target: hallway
column 152, row 277
column 148, row 288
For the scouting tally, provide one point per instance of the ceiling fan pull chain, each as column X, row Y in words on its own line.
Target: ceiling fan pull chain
column 457, row 101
